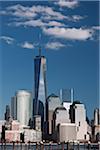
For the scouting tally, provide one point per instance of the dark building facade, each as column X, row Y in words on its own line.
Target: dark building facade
column 7, row 113
column 40, row 85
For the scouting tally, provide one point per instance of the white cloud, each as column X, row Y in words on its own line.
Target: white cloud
column 3, row 12
column 69, row 33
column 31, row 23
column 31, row 12
column 55, row 23
column 27, row 45
column 34, row 16
column 8, row 40
column 54, row 45
column 21, row 11
column 77, row 17
column 38, row 23
column 67, row 3
column 47, row 11
column 96, row 27
column 38, row 16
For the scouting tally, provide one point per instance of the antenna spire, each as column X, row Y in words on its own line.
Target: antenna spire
column 40, row 51
column 40, row 44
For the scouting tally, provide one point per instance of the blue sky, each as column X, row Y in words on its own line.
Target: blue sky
column 69, row 39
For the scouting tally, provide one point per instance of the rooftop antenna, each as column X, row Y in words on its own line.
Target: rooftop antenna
column 40, row 45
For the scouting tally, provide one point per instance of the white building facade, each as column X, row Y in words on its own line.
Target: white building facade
column 24, row 106
column 78, row 116
column 67, row 132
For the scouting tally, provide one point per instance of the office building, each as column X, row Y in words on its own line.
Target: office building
column 96, row 126
column 60, row 115
column 67, row 95
column 96, row 116
column 67, row 132
column 37, row 123
column 52, row 103
column 32, row 135
column 14, row 108
column 40, row 87
column 7, row 113
column 67, row 105
column 78, row 116
column 24, row 106
column 2, row 123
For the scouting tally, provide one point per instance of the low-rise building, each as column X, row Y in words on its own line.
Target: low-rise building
column 32, row 135
column 15, row 125
column 67, row 132
column 2, row 122
column 11, row 135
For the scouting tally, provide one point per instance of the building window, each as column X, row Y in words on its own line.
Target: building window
column 85, row 136
column 79, row 123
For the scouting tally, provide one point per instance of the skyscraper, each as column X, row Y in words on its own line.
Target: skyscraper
column 7, row 113
column 24, row 106
column 52, row 103
column 78, row 116
column 67, row 95
column 40, row 89
column 14, row 107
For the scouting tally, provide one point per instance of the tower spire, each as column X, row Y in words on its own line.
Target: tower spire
column 40, row 44
column 40, row 51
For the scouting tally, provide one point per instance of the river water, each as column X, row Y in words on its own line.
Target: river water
column 47, row 146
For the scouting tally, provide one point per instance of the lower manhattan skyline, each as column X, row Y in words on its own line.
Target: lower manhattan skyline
column 69, row 39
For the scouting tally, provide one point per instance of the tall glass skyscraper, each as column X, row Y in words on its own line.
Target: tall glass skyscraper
column 40, row 88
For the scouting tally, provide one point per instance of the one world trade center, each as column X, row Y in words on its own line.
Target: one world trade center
column 40, row 88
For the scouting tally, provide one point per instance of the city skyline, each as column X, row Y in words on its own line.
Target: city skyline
column 69, row 41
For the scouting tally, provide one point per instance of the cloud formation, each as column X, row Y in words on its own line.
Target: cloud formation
column 8, row 40
column 37, row 15
column 66, row 3
column 39, row 23
column 96, row 27
column 69, row 33
column 32, row 12
column 27, row 45
column 54, row 45
column 51, row 22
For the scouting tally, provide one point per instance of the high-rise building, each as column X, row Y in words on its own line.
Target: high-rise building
column 40, row 113
column 78, row 116
column 96, row 116
column 96, row 125
column 14, row 107
column 60, row 115
column 7, row 113
column 67, row 95
column 40, row 88
column 52, row 103
column 24, row 106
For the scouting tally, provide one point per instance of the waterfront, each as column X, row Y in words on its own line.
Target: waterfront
column 48, row 146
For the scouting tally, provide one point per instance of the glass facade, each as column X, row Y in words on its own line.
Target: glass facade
column 67, row 95
column 39, row 82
